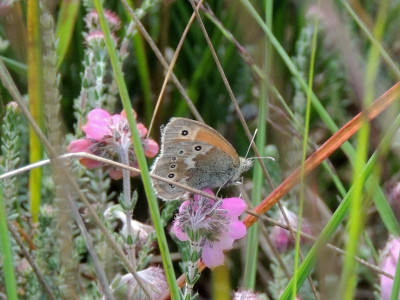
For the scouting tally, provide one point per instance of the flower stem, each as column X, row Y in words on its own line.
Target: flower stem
column 126, row 181
column 192, row 272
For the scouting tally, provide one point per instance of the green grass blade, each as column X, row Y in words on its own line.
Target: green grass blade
column 324, row 115
column 356, row 218
column 152, row 201
column 383, row 206
column 348, row 279
column 258, row 178
column 337, row 218
column 65, row 27
column 373, row 188
column 35, row 91
column 19, row 68
column 5, row 246
column 144, row 74
column 396, row 282
column 304, row 153
column 385, row 56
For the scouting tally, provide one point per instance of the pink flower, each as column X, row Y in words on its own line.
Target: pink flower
column 216, row 222
column 93, row 23
column 109, row 136
column 390, row 256
column 247, row 295
column 282, row 238
column 83, row 145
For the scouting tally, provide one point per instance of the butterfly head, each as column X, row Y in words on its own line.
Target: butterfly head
column 244, row 165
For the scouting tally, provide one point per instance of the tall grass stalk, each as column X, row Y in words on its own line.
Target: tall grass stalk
column 357, row 211
column 35, row 90
column 258, row 180
column 304, row 152
column 154, row 209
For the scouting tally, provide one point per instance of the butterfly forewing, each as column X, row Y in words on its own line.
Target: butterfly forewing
column 193, row 154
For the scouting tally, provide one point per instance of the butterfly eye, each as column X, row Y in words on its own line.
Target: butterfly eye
column 172, row 166
column 197, row 148
column 173, row 158
column 172, row 186
column 185, row 132
column 171, row 175
column 181, row 152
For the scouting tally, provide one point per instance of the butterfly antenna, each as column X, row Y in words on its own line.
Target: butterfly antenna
column 252, row 140
column 262, row 157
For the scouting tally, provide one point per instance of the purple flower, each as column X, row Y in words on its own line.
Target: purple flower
column 107, row 136
column 281, row 238
column 216, row 222
column 390, row 256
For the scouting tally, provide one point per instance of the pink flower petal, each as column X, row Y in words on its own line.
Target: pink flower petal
column 234, row 206
column 115, row 174
column 151, row 148
column 98, row 114
column 237, row 229
column 123, row 113
column 97, row 126
column 90, row 163
column 280, row 238
column 81, row 145
column 212, row 257
column 133, row 173
column 142, row 130
column 389, row 259
column 224, row 242
column 183, row 206
column 116, row 119
column 96, row 130
column 182, row 236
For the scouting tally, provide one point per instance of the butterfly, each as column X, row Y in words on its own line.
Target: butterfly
column 196, row 155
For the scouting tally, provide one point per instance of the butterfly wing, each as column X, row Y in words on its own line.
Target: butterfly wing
column 194, row 154
column 162, row 167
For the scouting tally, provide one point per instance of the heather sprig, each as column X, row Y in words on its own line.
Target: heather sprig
column 97, row 89
column 48, row 253
column 210, row 227
column 52, row 97
column 145, row 254
column 9, row 160
column 10, row 155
